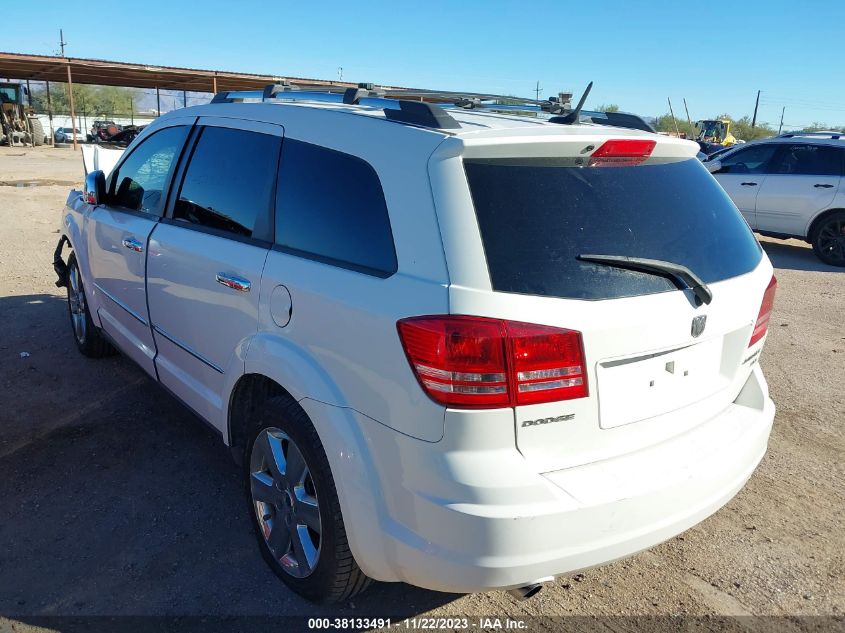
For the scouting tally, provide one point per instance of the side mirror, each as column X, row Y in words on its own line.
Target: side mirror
column 95, row 187
column 713, row 166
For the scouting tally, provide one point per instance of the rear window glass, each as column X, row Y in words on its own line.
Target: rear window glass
column 536, row 215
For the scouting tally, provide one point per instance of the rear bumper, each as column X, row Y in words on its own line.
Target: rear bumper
column 454, row 519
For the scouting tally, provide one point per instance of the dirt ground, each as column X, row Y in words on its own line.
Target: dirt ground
column 114, row 500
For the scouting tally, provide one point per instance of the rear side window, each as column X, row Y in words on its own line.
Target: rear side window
column 537, row 215
column 140, row 180
column 330, row 207
column 229, row 182
column 810, row 160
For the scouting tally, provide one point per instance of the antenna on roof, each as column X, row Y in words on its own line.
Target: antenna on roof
column 572, row 116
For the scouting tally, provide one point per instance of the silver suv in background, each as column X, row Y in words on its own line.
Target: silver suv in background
column 790, row 186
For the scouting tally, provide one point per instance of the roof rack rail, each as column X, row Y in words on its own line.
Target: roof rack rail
column 426, row 108
column 422, row 113
column 559, row 105
column 272, row 90
column 418, row 113
column 353, row 96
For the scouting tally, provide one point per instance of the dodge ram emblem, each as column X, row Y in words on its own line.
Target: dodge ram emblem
column 698, row 324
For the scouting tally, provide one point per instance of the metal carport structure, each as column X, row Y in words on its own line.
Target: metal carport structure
column 68, row 70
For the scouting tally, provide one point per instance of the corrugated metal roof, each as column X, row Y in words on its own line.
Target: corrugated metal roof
column 111, row 73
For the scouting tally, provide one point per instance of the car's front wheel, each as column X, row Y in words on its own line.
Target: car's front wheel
column 89, row 340
column 294, row 506
column 828, row 239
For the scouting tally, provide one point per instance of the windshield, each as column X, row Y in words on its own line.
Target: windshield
column 9, row 94
column 711, row 129
column 537, row 216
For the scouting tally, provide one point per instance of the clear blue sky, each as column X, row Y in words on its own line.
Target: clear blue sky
column 716, row 54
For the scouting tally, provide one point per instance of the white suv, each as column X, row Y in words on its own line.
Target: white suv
column 456, row 348
column 791, row 186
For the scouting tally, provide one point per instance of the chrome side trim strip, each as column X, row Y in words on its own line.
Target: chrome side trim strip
column 120, row 303
column 181, row 345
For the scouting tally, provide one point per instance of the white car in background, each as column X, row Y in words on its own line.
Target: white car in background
column 65, row 135
column 459, row 349
column 790, row 186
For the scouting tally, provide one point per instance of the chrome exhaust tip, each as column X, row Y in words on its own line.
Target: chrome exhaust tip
column 526, row 592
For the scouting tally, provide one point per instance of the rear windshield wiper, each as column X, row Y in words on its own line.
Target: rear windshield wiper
column 682, row 276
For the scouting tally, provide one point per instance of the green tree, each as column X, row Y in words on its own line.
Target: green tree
column 607, row 107
column 665, row 124
column 818, row 126
column 741, row 129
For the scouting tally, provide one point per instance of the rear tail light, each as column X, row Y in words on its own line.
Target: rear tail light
column 475, row 362
column 762, row 324
column 622, row 152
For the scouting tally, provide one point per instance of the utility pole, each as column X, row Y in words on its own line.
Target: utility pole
column 756, row 105
column 50, row 114
column 689, row 121
column 537, row 90
column 780, row 127
column 677, row 131
column 84, row 120
column 69, row 89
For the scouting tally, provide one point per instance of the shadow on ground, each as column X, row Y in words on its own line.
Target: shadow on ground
column 796, row 256
column 134, row 506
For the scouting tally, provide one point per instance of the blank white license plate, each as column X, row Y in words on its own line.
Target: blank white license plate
column 648, row 385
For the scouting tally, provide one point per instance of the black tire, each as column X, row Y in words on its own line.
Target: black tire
column 37, row 131
column 828, row 239
column 335, row 576
column 89, row 339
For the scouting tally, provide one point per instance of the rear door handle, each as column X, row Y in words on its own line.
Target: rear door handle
column 132, row 244
column 234, row 282
column 748, row 184
column 823, row 185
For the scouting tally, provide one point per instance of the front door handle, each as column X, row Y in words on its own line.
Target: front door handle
column 822, row 185
column 132, row 244
column 234, row 282
column 748, row 184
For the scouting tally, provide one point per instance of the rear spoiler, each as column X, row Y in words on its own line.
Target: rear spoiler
column 95, row 157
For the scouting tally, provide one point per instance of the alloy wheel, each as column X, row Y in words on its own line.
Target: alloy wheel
column 76, row 303
column 285, row 502
column 831, row 241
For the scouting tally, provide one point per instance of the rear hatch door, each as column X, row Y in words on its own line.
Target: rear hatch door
column 659, row 360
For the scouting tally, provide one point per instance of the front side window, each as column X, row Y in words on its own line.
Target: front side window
column 229, row 182
column 330, row 207
column 806, row 160
column 748, row 160
column 139, row 182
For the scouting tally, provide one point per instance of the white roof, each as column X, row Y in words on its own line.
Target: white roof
column 476, row 127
